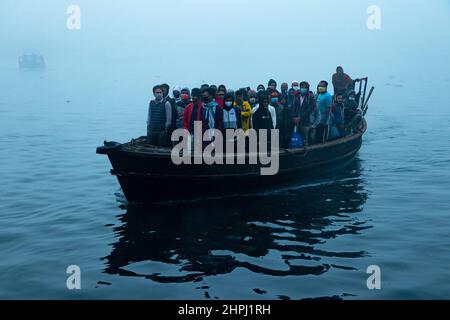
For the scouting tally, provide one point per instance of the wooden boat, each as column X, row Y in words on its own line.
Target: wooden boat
column 146, row 173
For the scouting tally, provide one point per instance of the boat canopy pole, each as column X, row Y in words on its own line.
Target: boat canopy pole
column 366, row 105
column 362, row 101
column 359, row 92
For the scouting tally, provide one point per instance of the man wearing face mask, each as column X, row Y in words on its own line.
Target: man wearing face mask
column 231, row 115
column 180, row 106
column 252, row 98
column 305, row 114
column 324, row 103
column 159, row 119
column 213, row 112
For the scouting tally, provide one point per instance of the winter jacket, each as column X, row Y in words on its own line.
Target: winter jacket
column 263, row 119
column 193, row 113
column 273, row 116
column 228, row 122
column 304, row 109
column 246, row 114
column 159, row 115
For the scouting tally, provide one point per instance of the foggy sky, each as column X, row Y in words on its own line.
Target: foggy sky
column 232, row 41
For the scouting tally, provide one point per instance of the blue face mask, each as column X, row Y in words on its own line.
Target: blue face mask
column 274, row 100
column 303, row 90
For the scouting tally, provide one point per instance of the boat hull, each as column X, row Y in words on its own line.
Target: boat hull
column 152, row 176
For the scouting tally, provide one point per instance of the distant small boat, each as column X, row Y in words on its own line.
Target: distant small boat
column 31, row 61
column 146, row 173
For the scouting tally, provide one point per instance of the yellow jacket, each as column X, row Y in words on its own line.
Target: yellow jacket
column 246, row 114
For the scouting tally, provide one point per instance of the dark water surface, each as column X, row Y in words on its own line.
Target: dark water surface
column 59, row 207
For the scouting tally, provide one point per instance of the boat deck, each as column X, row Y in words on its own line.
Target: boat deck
column 141, row 145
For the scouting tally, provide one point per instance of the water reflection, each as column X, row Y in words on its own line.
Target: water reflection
column 186, row 242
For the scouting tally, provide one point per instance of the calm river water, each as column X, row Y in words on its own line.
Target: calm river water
column 59, row 206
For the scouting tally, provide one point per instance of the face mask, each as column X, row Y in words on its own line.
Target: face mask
column 158, row 96
column 228, row 103
column 295, row 88
column 274, row 100
column 303, row 90
column 322, row 89
column 205, row 99
column 351, row 98
column 252, row 100
column 184, row 97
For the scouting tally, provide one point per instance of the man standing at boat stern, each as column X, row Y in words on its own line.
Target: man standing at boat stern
column 159, row 119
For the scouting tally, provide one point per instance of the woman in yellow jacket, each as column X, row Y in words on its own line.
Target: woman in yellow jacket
column 245, row 108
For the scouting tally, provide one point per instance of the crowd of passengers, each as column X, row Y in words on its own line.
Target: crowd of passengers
column 318, row 117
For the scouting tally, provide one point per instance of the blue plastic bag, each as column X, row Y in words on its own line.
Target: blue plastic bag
column 334, row 133
column 296, row 140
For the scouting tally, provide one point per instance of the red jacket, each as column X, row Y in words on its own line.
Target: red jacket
column 187, row 117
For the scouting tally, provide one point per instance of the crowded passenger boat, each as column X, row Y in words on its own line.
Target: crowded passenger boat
column 303, row 117
column 314, row 130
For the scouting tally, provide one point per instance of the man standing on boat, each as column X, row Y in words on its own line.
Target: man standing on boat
column 213, row 113
column 324, row 103
column 341, row 82
column 159, row 119
column 305, row 114
column 264, row 116
column 193, row 112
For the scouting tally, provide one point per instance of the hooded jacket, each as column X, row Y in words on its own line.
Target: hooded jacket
column 246, row 114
